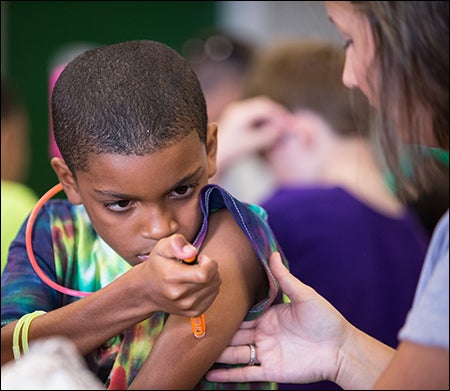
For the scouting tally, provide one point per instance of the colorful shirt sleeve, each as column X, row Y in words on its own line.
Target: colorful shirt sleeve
column 253, row 221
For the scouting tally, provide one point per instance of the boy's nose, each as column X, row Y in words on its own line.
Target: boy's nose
column 158, row 224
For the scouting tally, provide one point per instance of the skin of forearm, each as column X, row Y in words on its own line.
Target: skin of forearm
column 88, row 322
column 362, row 359
column 178, row 360
column 416, row 367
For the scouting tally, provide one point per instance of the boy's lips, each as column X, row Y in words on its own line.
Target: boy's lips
column 143, row 257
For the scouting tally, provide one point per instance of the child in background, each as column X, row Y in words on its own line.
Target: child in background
column 221, row 62
column 17, row 198
column 130, row 122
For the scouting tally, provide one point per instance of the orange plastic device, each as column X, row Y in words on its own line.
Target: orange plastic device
column 198, row 323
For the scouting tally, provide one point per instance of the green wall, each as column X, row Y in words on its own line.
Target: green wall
column 34, row 31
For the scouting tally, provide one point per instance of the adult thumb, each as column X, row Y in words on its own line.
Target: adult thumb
column 289, row 284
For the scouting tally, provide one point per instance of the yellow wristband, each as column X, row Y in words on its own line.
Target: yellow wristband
column 22, row 327
column 26, row 326
column 17, row 329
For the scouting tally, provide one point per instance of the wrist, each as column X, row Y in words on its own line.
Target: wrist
column 361, row 360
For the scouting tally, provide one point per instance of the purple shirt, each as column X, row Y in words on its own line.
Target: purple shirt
column 365, row 263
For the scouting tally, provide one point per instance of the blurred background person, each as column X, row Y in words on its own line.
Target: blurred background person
column 17, row 198
column 343, row 230
column 221, row 62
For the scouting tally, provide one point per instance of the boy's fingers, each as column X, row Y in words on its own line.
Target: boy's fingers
column 176, row 247
column 209, row 268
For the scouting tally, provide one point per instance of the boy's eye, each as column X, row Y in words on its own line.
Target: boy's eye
column 183, row 191
column 119, row 206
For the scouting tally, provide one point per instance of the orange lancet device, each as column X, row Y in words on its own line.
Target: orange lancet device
column 198, row 323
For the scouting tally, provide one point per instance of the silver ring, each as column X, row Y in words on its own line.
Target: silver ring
column 252, row 347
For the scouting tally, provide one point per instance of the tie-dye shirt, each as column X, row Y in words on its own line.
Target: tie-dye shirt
column 70, row 252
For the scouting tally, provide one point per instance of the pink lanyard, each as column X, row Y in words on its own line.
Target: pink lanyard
column 29, row 245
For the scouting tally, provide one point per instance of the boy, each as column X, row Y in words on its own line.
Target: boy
column 130, row 122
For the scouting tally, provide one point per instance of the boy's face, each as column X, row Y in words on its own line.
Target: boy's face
column 134, row 201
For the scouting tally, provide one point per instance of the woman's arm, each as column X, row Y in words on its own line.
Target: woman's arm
column 178, row 360
column 416, row 367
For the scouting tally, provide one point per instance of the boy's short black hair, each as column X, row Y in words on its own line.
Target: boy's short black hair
column 129, row 98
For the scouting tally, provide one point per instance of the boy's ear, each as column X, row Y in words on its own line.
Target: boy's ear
column 211, row 148
column 67, row 180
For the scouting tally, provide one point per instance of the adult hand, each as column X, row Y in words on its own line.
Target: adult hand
column 297, row 342
column 249, row 126
column 179, row 288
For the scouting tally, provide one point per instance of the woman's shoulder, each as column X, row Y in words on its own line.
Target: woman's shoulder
column 427, row 321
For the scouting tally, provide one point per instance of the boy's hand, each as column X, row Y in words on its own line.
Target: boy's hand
column 178, row 288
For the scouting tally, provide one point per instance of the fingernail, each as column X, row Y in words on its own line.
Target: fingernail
column 188, row 248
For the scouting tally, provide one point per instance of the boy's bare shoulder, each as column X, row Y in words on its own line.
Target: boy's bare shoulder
column 223, row 228
column 227, row 243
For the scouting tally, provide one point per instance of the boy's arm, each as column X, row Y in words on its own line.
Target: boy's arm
column 178, row 360
column 160, row 284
